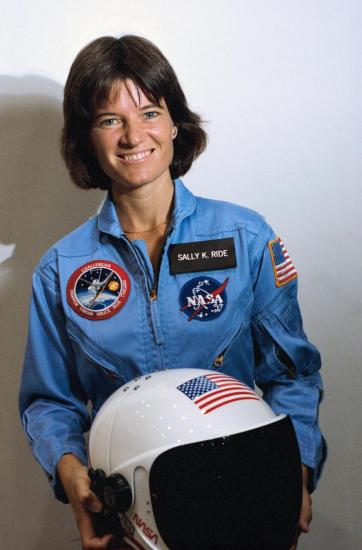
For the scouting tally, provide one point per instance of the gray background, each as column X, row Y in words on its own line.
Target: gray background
column 278, row 83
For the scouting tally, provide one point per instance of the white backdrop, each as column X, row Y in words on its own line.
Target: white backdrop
column 277, row 82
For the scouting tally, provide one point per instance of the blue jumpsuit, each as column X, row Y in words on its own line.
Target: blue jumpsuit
column 225, row 298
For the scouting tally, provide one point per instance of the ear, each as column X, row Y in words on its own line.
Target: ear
column 174, row 131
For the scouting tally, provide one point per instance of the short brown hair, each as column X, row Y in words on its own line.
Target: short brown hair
column 94, row 71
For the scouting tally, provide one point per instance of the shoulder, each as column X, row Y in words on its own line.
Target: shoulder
column 82, row 241
column 222, row 216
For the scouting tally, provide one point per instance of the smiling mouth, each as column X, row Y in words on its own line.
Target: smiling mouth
column 141, row 155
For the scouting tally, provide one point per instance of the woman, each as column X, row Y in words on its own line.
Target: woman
column 159, row 279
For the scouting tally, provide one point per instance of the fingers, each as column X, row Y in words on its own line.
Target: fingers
column 97, row 543
column 306, row 512
column 295, row 542
column 85, row 503
column 305, row 516
column 85, row 496
column 88, row 536
column 306, row 509
column 91, row 502
column 77, row 485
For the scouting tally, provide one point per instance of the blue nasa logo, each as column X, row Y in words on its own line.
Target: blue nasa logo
column 203, row 298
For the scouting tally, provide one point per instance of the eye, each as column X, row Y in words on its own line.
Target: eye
column 151, row 114
column 109, row 122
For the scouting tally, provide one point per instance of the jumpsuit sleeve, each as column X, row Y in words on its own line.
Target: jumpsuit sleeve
column 286, row 363
column 52, row 402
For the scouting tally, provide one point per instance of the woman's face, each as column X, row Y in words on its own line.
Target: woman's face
column 132, row 138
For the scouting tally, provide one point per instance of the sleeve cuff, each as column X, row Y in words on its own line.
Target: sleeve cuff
column 315, row 467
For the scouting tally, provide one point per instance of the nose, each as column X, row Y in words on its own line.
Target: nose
column 132, row 134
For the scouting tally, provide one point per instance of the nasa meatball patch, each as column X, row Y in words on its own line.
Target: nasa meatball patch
column 98, row 290
column 203, row 298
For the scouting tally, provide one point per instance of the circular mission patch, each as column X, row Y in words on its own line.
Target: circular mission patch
column 98, row 290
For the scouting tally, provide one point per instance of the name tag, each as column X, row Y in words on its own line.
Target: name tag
column 202, row 256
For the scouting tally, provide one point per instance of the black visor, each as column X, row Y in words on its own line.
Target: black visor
column 241, row 492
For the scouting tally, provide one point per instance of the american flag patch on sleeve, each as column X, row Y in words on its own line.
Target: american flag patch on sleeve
column 283, row 267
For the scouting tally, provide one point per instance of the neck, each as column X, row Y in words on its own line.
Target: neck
column 142, row 209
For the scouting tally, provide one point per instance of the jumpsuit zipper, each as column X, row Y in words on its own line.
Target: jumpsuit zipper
column 154, row 301
column 152, row 288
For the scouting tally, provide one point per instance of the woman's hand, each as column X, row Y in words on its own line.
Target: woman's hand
column 74, row 477
column 306, row 510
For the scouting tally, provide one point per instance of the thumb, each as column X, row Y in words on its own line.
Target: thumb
column 92, row 502
column 304, row 524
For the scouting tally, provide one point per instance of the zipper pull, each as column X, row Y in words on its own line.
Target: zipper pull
column 153, row 295
column 219, row 360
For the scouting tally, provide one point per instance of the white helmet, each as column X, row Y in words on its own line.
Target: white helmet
column 193, row 458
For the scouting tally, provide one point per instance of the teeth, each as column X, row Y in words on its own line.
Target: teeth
column 137, row 156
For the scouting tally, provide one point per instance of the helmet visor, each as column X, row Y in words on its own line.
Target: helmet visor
column 237, row 492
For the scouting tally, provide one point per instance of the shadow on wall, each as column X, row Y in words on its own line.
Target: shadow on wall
column 38, row 205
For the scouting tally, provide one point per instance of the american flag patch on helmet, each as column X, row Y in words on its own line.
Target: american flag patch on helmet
column 283, row 267
column 211, row 391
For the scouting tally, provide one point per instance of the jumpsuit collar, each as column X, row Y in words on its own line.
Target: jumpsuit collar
column 185, row 203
